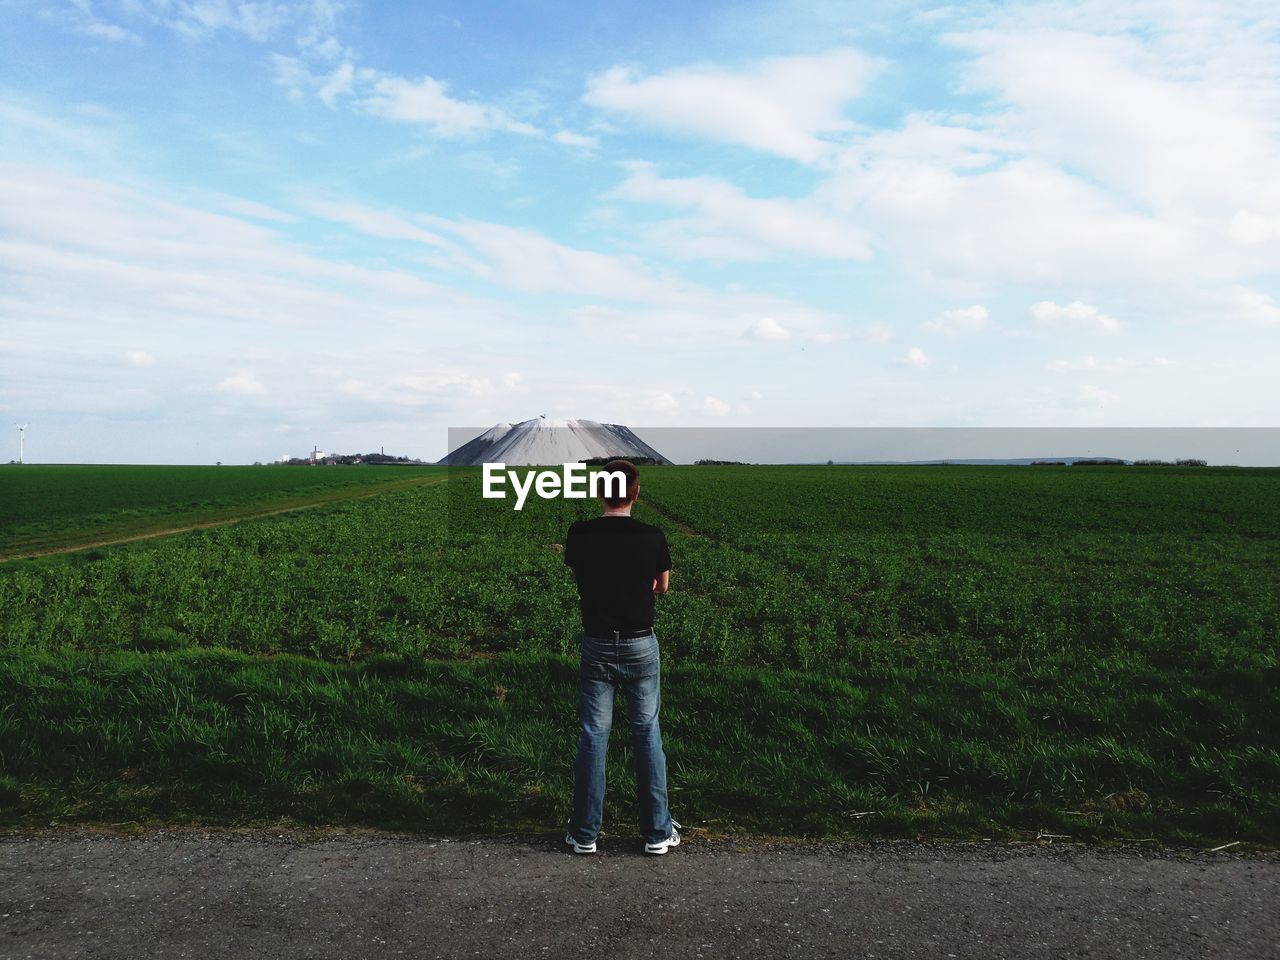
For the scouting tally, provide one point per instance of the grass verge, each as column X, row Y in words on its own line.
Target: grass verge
column 219, row 737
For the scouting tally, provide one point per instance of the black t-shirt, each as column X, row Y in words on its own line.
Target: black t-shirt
column 615, row 561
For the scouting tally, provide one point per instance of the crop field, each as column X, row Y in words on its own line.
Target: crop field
column 955, row 651
column 52, row 507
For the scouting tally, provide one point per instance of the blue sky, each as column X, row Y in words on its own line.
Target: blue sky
column 234, row 230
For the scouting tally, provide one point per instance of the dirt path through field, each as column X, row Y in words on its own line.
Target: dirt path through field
column 681, row 525
column 250, row 512
column 280, row 895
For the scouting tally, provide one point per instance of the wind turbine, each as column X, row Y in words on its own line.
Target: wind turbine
column 22, row 439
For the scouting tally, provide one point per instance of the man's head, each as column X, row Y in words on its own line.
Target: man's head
column 628, row 469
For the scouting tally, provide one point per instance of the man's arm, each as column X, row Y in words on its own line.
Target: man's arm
column 662, row 579
column 567, row 552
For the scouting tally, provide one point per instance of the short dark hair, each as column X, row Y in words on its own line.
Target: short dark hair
column 628, row 469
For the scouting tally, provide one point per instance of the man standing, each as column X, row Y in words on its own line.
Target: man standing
column 620, row 564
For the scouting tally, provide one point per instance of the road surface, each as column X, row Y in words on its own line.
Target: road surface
column 219, row 894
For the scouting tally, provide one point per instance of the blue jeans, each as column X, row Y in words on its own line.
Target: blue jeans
column 605, row 665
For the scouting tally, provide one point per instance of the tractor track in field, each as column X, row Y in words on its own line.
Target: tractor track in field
column 682, row 525
column 271, row 510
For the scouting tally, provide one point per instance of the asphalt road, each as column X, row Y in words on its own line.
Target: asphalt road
column 213, row 895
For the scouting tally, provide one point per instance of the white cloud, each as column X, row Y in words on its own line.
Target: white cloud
column 828, row 336
column 89, row 137
column 932, row 139
column 732, row 226
column 388, row 224
column 662, row 402
column 1255, row 307
column 1180, row 119
column 258, row 20
column 961, row 320
column 140, row 358
column 323, row 48
column 571, row 139
column 1093, row 394
column 529, row 261
column 1073, row 316
column 783, row 105
column 415, row 389
column 1131, row 148
column 341, row 81
column 242, row 384
column 514, row 381
column 716, row 406
column 320, row 27
column 1248, row 228
column 176, row 260
column 107, row 31
column 916, row 357
column 247, row 208
column 1023, row 221
column 86, row 260
column 295, row 76
column 426, row 101
column 1094, row 364
column 1088, row 363
column 767, row 328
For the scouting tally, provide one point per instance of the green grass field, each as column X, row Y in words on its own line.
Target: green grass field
column 53, row 507
column 847, row 651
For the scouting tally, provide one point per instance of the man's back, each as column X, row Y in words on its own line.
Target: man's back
column 615, row 560
column 619, row 563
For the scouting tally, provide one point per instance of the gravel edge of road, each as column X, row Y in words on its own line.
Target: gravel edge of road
column 695, row 840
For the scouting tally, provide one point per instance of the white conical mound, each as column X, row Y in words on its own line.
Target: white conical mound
column 541, row 441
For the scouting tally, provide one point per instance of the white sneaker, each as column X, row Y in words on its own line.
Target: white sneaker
column 580, row 847
column 662, row 846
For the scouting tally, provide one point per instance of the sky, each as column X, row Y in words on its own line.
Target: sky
column 240, row 230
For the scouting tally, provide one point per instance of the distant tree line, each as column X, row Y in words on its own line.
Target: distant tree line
column 352, row 459
column 722, row 463
column 638, row 461
column 1113, row 462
